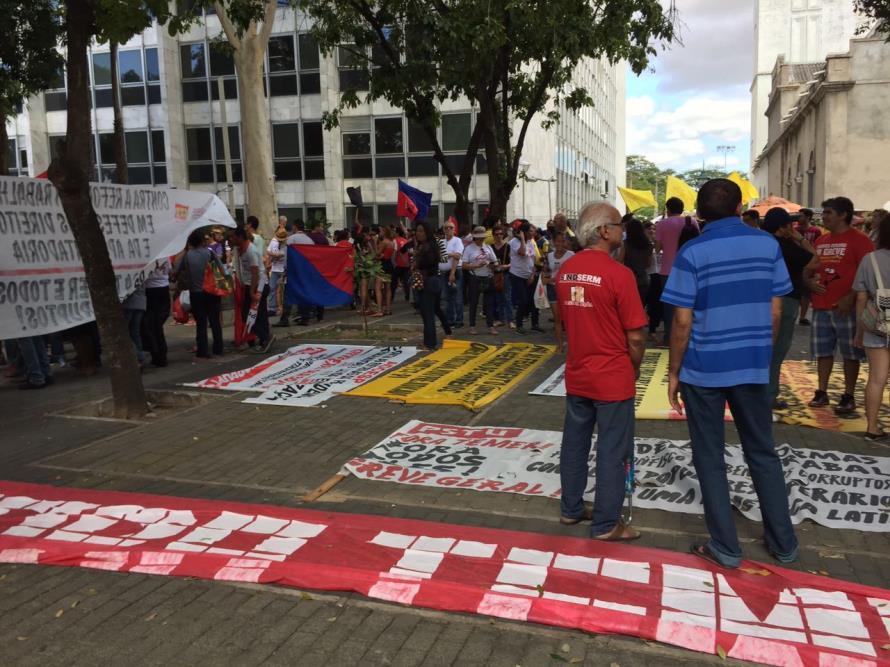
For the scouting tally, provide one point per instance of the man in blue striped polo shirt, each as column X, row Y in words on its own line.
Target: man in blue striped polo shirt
column 726, row 287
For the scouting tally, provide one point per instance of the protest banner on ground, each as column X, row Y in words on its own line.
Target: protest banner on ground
column 799, row 383
column 307, row 375
column 461, row 373
column 42, row 284
column 834, row 489
column 759, row 612
column 651, row 401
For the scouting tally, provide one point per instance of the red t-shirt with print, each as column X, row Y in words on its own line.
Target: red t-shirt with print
column 839, row 256
column 599, row 303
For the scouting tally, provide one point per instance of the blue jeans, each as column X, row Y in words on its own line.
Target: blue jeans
column 750, row 407
column 134, row 326
column 614, row 445
column 35, row 362
column 453, row 297
column 503, row 303
column 790, row 309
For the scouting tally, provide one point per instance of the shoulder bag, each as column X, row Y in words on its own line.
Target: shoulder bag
column 876, row 316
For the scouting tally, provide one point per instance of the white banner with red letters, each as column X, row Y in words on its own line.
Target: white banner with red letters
column 761, row 613
column 307, row 375
column 834, row 489
column 42, row 284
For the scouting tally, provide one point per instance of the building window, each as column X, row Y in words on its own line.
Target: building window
column 146, row 157
column 310, row 77
column 354, row 74
column 389, row 147
column 290, row 163
column 313, row 151
column 196, row 75
column 56, row 97
column 310, row 214
column 205, row 154
column 357, row 155
column 17, row 157
column 398, row 147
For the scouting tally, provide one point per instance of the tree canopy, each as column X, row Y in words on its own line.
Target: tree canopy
column 513, row 59
column 878, row 11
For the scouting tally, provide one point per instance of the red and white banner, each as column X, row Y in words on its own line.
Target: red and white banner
column 307, row 375
column 834, row 489
column 42, row 283
column 761, row 613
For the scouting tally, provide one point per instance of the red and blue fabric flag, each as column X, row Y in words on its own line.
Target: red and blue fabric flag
column 412, row 203
column 317, row 275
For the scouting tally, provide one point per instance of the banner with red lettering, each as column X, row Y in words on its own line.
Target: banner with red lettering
column 834, row 489
column 761, row 613
column 306, row 375
column 42, row 283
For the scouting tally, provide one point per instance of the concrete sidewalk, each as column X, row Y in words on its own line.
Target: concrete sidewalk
column 230, row 450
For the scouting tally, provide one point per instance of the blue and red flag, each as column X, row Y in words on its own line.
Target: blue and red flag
column 319, row 275
column 412, row 203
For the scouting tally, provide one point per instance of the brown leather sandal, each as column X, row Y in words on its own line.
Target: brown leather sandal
column 620, row 533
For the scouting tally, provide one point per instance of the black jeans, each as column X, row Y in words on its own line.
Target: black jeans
column 261, row 327
column 205, row 308
column 401, row 276
column 474, row 285
column 157, row 311
column 430, row 309
column 653, row 300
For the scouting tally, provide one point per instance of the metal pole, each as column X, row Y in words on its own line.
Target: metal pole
column 227, row 152
column 549, row 203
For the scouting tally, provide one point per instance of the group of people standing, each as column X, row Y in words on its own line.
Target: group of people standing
column 731, row 299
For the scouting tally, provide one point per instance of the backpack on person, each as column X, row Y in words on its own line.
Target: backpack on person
column 689, row 232
column 876, row 315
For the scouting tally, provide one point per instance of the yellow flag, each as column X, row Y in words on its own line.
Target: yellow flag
column 679, row 189
column 749, row 192
column 637, row 199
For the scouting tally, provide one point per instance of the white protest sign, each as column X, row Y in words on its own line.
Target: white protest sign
column 555, row 385
column 834, row 489
column 307, row 375
column 42, row 283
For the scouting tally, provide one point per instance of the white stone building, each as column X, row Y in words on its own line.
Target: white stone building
column 803, row 31
column 173, row 124
column 828, row 129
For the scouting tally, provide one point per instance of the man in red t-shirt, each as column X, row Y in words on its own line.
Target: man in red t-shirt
column 599, row 305
column 831, row 286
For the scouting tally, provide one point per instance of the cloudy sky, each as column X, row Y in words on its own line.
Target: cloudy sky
column 695, row 96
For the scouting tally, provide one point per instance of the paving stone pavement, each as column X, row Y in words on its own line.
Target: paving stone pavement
column 225, row 449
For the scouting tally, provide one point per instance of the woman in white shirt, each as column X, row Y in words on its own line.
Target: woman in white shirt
column 277, row 252
column 555, row 259
column 477, row 260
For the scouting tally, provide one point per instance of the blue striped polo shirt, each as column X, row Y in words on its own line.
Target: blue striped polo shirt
column 728, row 276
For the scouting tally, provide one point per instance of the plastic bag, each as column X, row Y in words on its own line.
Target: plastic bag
column 541, row 301
column 180, row 314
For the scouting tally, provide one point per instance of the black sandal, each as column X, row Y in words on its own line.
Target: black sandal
column 872, row 437
column 701, row 550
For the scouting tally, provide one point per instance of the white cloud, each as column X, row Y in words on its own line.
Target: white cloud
column 717, row 47
column 682, row 137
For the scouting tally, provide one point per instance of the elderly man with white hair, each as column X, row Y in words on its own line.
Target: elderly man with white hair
column 599, row 305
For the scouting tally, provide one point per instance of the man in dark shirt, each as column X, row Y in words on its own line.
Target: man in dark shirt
column 798, row 254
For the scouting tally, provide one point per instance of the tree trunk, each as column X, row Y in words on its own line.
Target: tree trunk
column 70, row 173
column 496, row 196
column 259, row 174
column 120, row 145
column 4, row 146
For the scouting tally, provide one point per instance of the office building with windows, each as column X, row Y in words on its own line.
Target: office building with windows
column 174, row 121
